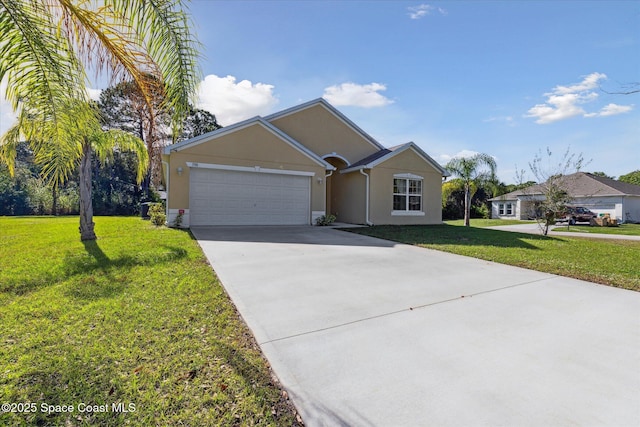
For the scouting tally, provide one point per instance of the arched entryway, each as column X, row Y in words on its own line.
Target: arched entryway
column 334, row 189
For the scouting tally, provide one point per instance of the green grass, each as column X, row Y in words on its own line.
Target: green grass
column 622, row 229
column 610, row 262
column 137, row 317
column 480, row 222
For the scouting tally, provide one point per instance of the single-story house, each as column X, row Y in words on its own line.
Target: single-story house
column 296, row 165
column 601, row 195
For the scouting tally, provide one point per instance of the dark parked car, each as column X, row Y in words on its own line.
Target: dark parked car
column 573, row 214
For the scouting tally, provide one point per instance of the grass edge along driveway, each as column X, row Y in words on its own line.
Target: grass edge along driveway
column 133, row 329
column 608, row 262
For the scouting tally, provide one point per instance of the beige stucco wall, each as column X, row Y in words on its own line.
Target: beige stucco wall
column 323, row 133
column 381, row 188
column 348, row 197
column 250, row 147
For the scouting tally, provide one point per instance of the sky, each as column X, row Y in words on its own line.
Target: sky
column 505, row 78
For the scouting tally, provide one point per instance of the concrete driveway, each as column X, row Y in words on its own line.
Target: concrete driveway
column 367, row 332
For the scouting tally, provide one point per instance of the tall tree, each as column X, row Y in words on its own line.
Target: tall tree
column 631, row 177
column 123, row 107
column 46, row 48
column 476, row 171
column 198, row 122
column 552, row 194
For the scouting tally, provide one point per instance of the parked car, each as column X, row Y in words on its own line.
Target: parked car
column 573, row 214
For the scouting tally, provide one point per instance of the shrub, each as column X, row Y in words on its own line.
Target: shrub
column 179, row 218
column 156, row 212
column 325, row 220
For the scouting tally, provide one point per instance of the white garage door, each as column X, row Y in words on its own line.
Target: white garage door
column 224, row 197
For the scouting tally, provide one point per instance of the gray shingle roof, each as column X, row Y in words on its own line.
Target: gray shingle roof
column 582, row 184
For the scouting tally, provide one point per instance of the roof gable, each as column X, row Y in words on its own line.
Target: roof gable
column 383, row 155
column 254, row 121
column 333, row 110
column 323, row 130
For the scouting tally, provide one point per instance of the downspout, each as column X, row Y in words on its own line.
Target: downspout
column 367, row 199
column 166, row 190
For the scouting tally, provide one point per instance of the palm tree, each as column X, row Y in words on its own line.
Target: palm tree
column 474, row 171
column 47, row 47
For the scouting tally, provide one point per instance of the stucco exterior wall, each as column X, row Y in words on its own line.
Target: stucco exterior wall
column 323, row 133
column 250, row 147
column 381, row 190
column 348, row 197
column 623, row 208
column 517, row 209
column 631, row 212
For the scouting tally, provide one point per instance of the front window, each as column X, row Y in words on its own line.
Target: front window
column 505, row 208
column 407, row 194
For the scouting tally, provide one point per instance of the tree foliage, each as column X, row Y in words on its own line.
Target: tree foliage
column 46, row 48
column 631, row 177
column 551, row 195
column 122, row 106
column 474, row 172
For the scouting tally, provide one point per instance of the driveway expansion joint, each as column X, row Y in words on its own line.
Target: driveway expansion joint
column 412, row 308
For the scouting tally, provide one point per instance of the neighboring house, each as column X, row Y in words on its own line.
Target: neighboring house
column 294, row 166
column 601, row 195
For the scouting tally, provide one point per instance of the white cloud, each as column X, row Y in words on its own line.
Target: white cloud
column 566, row 101
column 232, row 102
column 444, row 158
column 420, row 11
column 94, row 94
column 501, row 119
column 7, row 116
column 611, row 110
column 590, row 82
column 353, row 94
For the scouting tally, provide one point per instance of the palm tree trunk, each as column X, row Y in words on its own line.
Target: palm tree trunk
column 54, row 200
column 467, row 205
column 86, row 205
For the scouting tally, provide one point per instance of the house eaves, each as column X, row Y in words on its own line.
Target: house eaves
column 218, row 133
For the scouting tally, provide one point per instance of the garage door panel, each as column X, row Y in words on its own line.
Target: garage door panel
column 224, row 197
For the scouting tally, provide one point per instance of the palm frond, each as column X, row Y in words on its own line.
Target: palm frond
column 38, row 65
column 172, row 46
column 105, row 40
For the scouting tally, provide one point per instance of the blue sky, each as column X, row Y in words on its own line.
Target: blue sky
column 506, row 78
column 454, row 77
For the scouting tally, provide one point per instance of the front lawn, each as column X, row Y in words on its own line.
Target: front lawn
column 132, row 329
column 610, row 262
column 482, row 222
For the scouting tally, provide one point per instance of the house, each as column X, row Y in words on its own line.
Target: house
column 601, row 195
column 296, row 165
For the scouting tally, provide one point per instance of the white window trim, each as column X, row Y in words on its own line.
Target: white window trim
column 509, row 207
column 410, row 176
column 407, row 213
column 503, row 209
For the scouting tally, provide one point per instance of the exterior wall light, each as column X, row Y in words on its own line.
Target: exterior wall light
column 179, row 170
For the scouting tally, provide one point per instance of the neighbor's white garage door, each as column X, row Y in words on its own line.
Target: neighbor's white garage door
column 224, row 197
